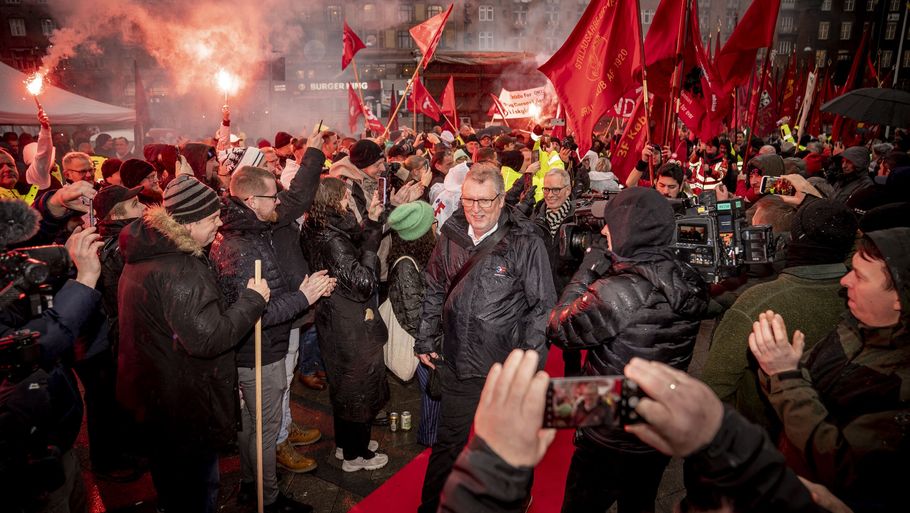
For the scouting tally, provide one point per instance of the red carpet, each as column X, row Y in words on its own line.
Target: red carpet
column 401, row 493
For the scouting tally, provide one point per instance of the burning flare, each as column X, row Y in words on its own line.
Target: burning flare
column 227, row 82
column 534, row 111
column 35, row 84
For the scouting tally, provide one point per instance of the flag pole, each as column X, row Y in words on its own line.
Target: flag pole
column 257, row 347
column 673, row 113
column 644, row 91
column 407, row 89
column 357, row 79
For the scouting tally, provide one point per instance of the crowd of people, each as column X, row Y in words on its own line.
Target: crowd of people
column 453, row 243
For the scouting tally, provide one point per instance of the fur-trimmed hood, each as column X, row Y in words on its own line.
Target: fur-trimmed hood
column 345, row 169
column 154, row 235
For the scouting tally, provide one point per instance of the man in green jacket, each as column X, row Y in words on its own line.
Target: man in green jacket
column 807, row 293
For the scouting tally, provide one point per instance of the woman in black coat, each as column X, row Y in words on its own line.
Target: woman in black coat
column 351, row 332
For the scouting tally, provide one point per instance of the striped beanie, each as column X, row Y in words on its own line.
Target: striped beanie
column 236, row 158
column 188, row 200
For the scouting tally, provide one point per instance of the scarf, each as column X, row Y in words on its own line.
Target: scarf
column 555, row 217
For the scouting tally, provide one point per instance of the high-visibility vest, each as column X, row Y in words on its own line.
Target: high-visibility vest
column 28, row 197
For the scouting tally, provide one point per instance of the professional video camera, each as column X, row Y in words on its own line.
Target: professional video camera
column 577, row 235
column 27, row 270
column 718, row 242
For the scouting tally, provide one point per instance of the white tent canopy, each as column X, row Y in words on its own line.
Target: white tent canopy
column 64, row 108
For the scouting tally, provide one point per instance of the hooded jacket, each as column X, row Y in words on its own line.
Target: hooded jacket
column 500, row 305
column 846, row 410
column 637, row 299
column 243, row 239
column 176, row 372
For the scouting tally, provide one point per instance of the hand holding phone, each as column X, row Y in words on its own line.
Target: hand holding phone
column 590, row 401
column 776, row 185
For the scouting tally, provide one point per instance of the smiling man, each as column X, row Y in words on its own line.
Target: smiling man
column 489, row 289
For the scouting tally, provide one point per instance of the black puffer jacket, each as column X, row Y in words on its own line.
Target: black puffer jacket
column 176, row 373
column 351, row 332
column 499, row 306
column 647, row 305
column 406, row 288
column 243, row 239
column 111, row 268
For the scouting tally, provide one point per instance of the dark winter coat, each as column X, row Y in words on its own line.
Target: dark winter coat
column 500, row 305
column 562, row 269
column 406, row 289
column 243, row 239
column 649, row 309
column 351, row 332
column 176, row 372
column 111, row 268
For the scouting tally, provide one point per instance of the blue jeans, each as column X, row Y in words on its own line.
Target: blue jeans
column 310, row 357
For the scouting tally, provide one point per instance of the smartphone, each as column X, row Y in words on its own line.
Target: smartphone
column 384, row 190
column 91, row 210
column 589, row 401
column 776, row 185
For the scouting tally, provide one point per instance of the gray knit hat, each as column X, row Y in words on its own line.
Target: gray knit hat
column 188, row 200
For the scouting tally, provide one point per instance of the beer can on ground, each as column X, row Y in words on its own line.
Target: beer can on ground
column 405, row 421
column 393, row 421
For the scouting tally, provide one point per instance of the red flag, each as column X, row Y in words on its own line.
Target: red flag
column 755, row 30
column 662, row 41
column 421, row 102
column 788, row 97
column 393, row 102
column 356, row 108
column 596, row 64
column 627, row 150
column 428, row 33
column 352, row 44
column 448, row 102
column 496, row 108
column 852, row 78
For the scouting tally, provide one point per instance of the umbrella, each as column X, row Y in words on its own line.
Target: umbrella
column 886, row 107
column 493, row 131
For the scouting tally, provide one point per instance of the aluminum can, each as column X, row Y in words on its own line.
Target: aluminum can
column 393, row 421
column 405, row 421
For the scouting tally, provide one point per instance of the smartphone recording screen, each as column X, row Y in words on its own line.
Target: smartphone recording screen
column 584, row 401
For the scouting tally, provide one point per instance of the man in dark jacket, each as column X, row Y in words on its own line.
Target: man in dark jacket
column 176, row 371
column 498, row 306
column 845, row 404
column 259, row 223
column 853, row 164
column 630, row 298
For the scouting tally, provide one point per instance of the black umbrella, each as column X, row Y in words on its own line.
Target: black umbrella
column 886, row 107
column 493, row 131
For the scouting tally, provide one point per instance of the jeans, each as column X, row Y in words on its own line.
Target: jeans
column 274, row 384
column 310, row 357
column 290, row 364
column 457, row 407
column 599, row 476
column 186, row 481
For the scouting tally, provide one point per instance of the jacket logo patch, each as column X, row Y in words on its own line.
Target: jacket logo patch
column 501, row 271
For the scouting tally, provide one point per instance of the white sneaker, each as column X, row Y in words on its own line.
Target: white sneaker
column 372, row 446
column 376, row 462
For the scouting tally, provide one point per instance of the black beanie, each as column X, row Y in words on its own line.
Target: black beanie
column 133, row 171
column 822, row 232
column 365, row 153
column 513, row 159
column 641, row 223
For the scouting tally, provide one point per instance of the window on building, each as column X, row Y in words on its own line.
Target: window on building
column 405, row 13
column 895, row 5
column 485, row 41
column 519, row 40
column 887, row 56
column 786, row 24
column 369, row 12
column 47, row 26
column 17, row 27
column 333, row 13
column 552, row 12
column 870, row 5
column 433, row 10
column 849, row 5
column 647, row 15
column 404, row 39
column 890, row 30
column 823, row 28
column 486, row 13
column 521, row 14
column 784, row 47
column 788, row 4
column 552, row 44
column 821, row 57
column 846, row 30
column 826, row 5
column 906, row 59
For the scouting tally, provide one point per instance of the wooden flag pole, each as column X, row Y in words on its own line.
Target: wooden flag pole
column 407, row 89
column 258, row 356
column 357, row 79
column 644, row 91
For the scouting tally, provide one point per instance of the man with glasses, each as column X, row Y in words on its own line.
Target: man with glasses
column 498, row 304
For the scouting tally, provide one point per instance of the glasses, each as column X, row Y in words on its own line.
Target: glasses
column 273, row 197
column 553, row 190
column 482, row 202
column 87, row 171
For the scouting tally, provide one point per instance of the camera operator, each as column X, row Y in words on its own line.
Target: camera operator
column 44, row 433
column 631, row 297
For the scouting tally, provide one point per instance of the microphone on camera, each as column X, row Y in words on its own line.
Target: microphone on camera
column 18, row 222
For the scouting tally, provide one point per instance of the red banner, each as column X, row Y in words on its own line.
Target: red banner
column 627, row 151
column 351, row 43
column 421, row 102
column 596, row 64
column 448, row 103
column 755, row 30
column 356, row 108
column 427, row 34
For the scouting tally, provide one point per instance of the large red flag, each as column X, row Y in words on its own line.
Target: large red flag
column 755, row 30
column 596, row 64
column 788, row 95
column 859, row 62
column 393, row 102
column 352, row 44
column 427, row 34
column 356, row 108
column 628, row 148
column 448, row 103
column 421, row 102
column 661, row 44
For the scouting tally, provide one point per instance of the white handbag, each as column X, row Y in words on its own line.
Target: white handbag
column 399, row 350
